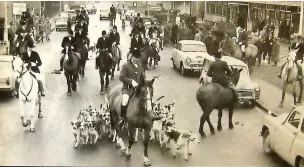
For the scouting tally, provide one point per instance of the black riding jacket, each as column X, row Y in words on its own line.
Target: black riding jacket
column 219, row 71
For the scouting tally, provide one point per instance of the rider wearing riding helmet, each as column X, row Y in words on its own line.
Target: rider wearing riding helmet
column 115, row 40
column 298, row 47
column 66, row 42
column 136, row 44
column 139, row 28
column 243, row 40
column 34, row 60
column 219, row 71
column 21, row 31
column 132, row 73
column 103, row 44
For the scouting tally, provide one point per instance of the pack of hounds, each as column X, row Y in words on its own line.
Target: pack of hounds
column 91, row 124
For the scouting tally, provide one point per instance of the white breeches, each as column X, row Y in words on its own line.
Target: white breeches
column 243, row 48
column 125, row 99
column 37, row 75
column 237, row 32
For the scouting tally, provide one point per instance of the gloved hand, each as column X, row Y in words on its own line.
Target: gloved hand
column 33, row 64
column 134, row 83
column 240, row 43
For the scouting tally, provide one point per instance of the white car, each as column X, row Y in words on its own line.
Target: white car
column 104, row 14
column 248, row 91
column 130, row 13
column 61, row 23
column 189, row 56
column 7, row 78
column 284, row 135
column 72, row 13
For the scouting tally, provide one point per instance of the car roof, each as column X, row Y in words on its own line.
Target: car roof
column 70, row 10
column 6, row 58
column 191, row 42
column 231, row 61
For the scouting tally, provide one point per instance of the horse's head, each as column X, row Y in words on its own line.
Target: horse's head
column 19, row 67
column 235, row 76
column 145, row 93
column 69, row 53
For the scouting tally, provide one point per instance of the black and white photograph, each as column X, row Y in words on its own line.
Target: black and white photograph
column 152, row 83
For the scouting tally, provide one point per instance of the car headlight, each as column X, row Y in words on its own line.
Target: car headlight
column 257, row 89
column 188, row 61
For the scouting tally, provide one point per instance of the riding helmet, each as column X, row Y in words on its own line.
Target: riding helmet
column 31, row 44
column 136, row 54
column 217, row 55
column 71, row 32
column 114, row 27
column 104, row 32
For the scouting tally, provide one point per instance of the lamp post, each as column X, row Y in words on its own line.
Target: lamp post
column 301, row 18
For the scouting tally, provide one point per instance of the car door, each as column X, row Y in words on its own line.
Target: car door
column 175, row 55
column 285, row 134
column 298, row 145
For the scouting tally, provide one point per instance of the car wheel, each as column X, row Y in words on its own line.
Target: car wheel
column 266, row 142
column 301, row 163
column 56, row 29
column 183, row 70
column 252, row 103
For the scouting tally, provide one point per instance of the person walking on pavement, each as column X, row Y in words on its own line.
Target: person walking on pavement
column 48, row 29
column 41, row 30
column 174, row 32
column 269, row 45
column 69, row 22
column 275, row 52
column 11, row 37
column 208, row 42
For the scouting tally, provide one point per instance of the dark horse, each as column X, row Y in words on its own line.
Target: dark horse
column 146, row 52
column 71, row 67
column 105, row 66
column 83, row 49
column 21, row 48
column 214, row 96
column 115, row 60
column 139, row 115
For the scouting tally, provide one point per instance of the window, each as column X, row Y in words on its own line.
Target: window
column 212, row 8
column 295, row 119
column 194, row 48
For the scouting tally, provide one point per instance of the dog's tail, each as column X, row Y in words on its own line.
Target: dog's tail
column 107, row 100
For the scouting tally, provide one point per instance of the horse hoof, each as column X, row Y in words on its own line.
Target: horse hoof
column 219, row 128
column 112, row 78
column 32, row 129
column 280, row 106
column 40, row 115
column 231, row 126
column 212, row 131
column 147, row 163
column 203, row 135
column 24, row 124
column 189, row 153
column 128, row 155
column 174, row 156
column 186, row 159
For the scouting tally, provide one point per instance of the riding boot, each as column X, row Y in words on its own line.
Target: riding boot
column 243, row 55
column 16, row 91
column 96, row 62
column 61, row 63
column 299, row 71
column 123, row 114
column 41, row 88
column 280, row 74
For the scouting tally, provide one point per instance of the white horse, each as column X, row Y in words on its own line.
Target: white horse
column 155, row 42
column 29, row 95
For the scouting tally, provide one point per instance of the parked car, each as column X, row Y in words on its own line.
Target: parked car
column 91, row 9
column 188, row 56
column 7, row 78
column 72, row 14
column 61, row 23
column 284, row 135
column 248, row 91
column 130, row 13
column 104, row 14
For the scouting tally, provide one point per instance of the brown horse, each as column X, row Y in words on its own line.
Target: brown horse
column 212, row 96
column 146, row 53
column 139, row 115
column 71, row 66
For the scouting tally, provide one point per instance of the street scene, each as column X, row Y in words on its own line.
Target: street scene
column 132, row 84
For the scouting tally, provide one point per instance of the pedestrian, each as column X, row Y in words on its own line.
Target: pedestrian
column 275, row 52
column 174, row 33
column 287, row 31
column 208, row 42
column 69, row 22
column 48, row 29
column 271, row 28
column 11, row 37
column 281, row 30
column 197, row 36
column 41, row 30
column 269, row 45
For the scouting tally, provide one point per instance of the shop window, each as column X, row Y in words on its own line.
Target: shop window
column 271, row 15
column 288, row 8
column 277, row 17
column 212, row 8
column 219, row 9
column 283, row 15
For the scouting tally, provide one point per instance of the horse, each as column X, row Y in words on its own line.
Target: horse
column 71, row 66
column 83, row 49
column 289, row 76
column 29, row 94
column 155, row 43
column 214, row 96
column 146, row 53
column 22, row 46
column 112, row 18
column 251, row 52
column 105, row 61
column 139, row 115
column 115, row 60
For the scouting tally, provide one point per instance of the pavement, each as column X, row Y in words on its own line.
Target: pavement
column 52, row 142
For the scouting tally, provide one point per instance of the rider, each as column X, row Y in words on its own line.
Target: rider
column 131, row 74
column 136, row 44
column 115, row 40
column 67, row 41
column 79, row 17
column 123, row 17
column 243, row 40
column 21, row 31
column 33, row 57
column 219, row 71
column 103, row 44
column 152, row 29
column 140, row 28
column 295, row 46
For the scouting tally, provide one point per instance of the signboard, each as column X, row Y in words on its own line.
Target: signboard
column 18, row 8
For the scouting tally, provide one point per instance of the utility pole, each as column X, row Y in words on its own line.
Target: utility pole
column 147, row 4
column 6, row 29
column 301, row 18
column 184, row 6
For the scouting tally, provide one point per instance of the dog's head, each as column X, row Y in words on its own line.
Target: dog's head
column 106, row 118
column 104, row 108
column 75, row 124
column 169, row 107
column 83, row 126
column 169, row 126
column 93, row 113
column 89, row 106
column 89, row 121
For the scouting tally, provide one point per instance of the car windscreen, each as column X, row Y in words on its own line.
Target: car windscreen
column 5, row 68
column 71, row 12
column 104, row 11
column 62, row 19
column 193, row 48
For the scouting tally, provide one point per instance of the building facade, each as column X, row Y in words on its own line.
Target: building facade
column 268, row 11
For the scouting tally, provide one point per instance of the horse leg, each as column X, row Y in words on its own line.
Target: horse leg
column 22, row 105
column 112, row 73
column 131, row 141
column 32, row 118
column 136, row 135
column 39, row 107
column 150, row 61
column 68, row 83
column 283, row 96
column 210, row 125
column 301, row 91
column 204, row 117
column 294, row 93
column 219, row 123
column 74, row 80
column 118, row 64
column 146, row 143
column 230, row 117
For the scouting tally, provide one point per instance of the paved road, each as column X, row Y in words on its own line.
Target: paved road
column 52, row 143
